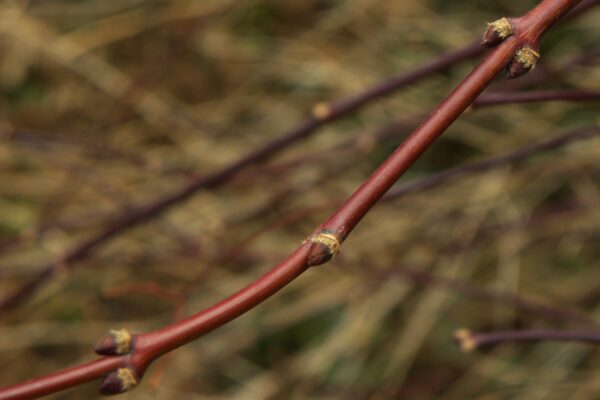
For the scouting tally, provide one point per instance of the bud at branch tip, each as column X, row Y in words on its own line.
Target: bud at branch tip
column 465, row 340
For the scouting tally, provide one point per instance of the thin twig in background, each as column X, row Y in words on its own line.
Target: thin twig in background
column 488, row 99
column 470, row 341
column 521, row 153
column 428, row 182
column 535, row 308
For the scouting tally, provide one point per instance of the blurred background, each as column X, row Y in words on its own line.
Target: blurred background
column 108, row 105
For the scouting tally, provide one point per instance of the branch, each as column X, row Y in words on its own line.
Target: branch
column 581, row 8
column 128, row 356
column 391, row 130
column 519, row 154
column 488, row 99
column 530, row 306
column 469, row 341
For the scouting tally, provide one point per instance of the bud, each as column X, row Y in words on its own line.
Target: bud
column 117, row 342
column 321, row 111
column 465, row 340
column 119, row 381
column 496, row 32
column 325, row 246
column 523, row 62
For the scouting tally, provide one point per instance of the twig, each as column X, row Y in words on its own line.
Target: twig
column 582, row 8
column 130, row 355
column 488, row 99
column 521, row 153
column 532, row 307
column 470, row 341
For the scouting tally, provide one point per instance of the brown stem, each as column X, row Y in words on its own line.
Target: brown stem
column 488, row 99
column 532, row 307
column 470, row 341
column 61, row 380
column 581, row 8
column 320, row 247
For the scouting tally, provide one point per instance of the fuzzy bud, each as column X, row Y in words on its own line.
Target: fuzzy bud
column 465, row 341
column 321, row 111
column 325, row 246
column 523, row 62
column 497, row 32
column 117, row 342
column 119, row 381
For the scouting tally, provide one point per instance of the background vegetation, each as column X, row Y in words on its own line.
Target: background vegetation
column 108, row 104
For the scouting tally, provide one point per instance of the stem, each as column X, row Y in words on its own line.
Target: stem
column 321, row 246
column 469, row 341
column 521, row 153
column 581, row 8
column 61, row 380
column 176, row 335
column 488, row 99
column 532, row 307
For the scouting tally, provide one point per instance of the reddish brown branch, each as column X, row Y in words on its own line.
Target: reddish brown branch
column 126, row 370
column 61, row 380
column 470, row 341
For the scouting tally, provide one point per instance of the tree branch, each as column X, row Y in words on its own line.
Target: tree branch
column 488, row 99
column 530, row 306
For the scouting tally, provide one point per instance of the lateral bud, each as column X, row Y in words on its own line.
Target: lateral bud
column 497, row 32
column 321, row 111
column 116, row 343
column 120, row 381
column 325, row 246
column 523, row 62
